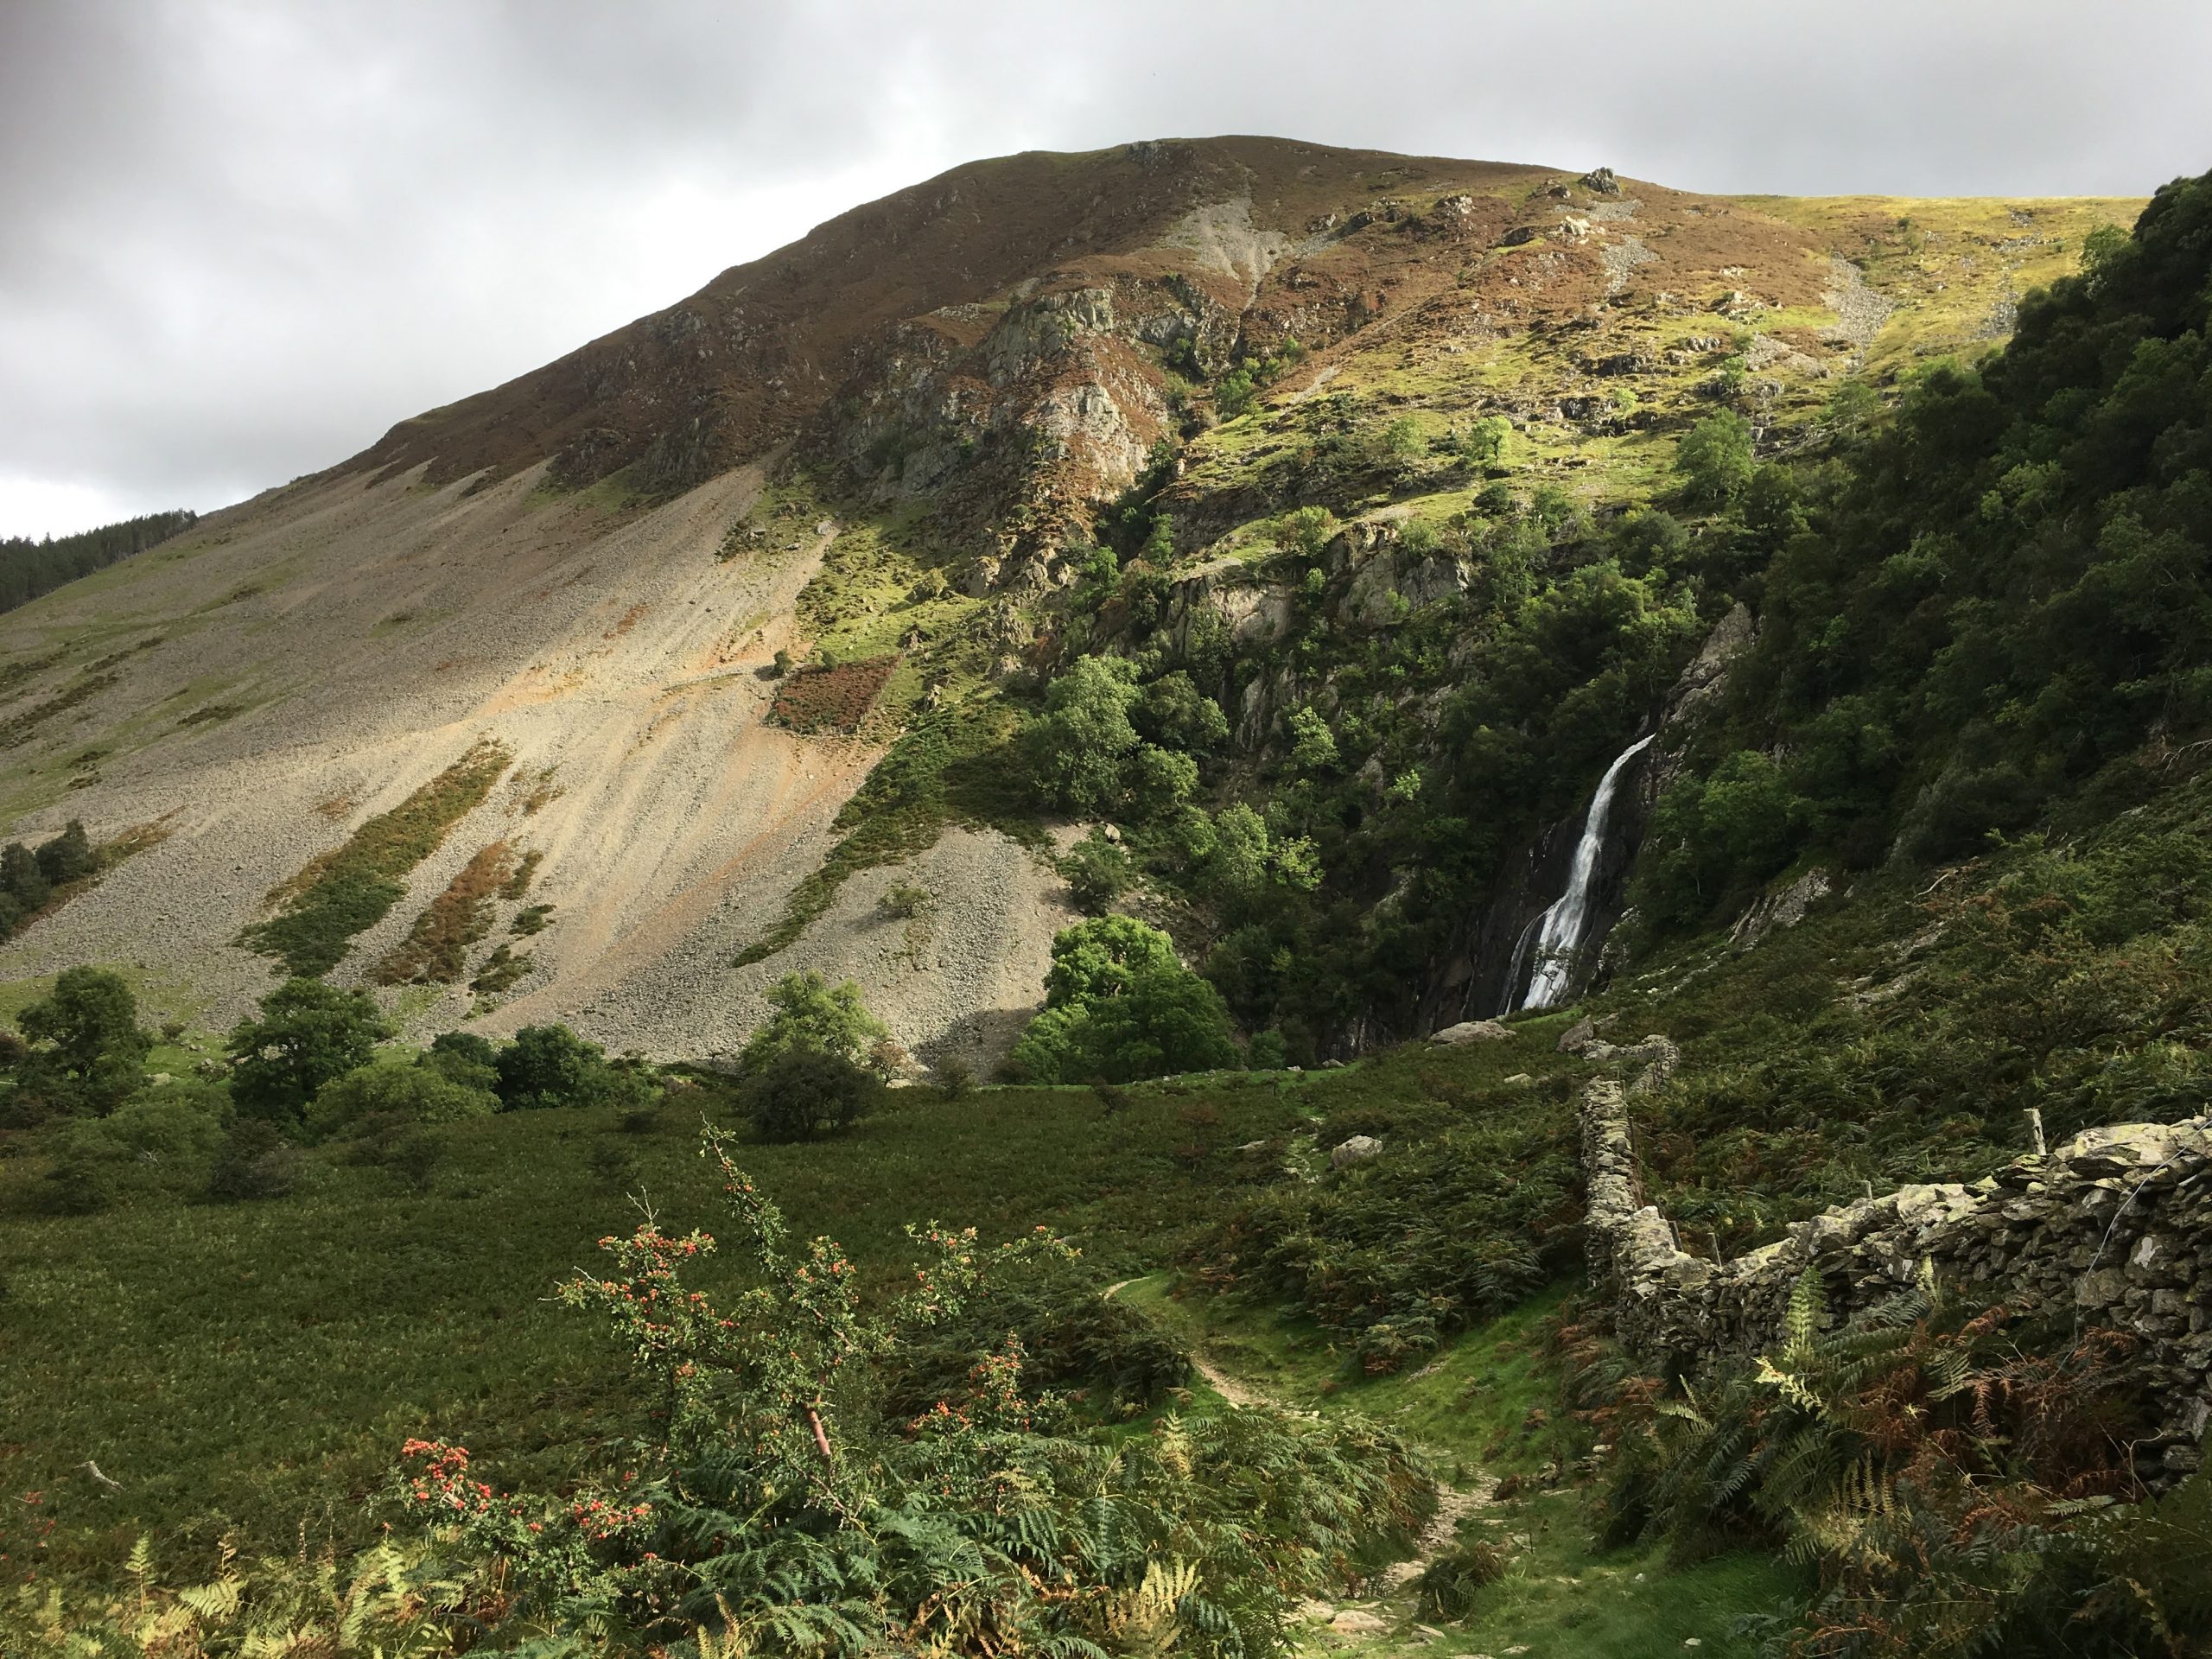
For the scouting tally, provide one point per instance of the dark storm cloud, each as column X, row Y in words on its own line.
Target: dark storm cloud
column 241, row 240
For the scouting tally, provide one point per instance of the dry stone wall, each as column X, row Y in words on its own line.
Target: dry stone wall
column 2113, row 1229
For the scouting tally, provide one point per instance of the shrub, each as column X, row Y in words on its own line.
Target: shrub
column 1447, row 1587
column 805, row 1011
column 904, row 902
column 350, row 888
column 465, row 1057
column 1470, row 1214
column 1948, row 1472
column 803, row 1094
column 416, row 1092
column 161, row 1142
column 1073, row 1337
column 309, row 1034
column 254, row 1161
column 953, row 1078
column 787, row 1500
column 1097, row 872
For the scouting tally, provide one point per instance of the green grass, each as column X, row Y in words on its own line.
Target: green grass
column 1563, row 1597
column 1470, row 1405
column 1485, row 1405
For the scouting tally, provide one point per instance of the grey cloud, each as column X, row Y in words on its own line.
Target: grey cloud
column 242, row 238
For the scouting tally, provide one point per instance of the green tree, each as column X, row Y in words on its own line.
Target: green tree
column 87, row 1053
column 67, row 856
column 1483, row 443
column 1167, row 1022
column 1076, row 750
column 1235, row 394
column 803, row 1094
column 1248, row 865
column 805, row 1011
column 547, row 1066
column 309, row 1034
column 1715, row 836
column 1401, row 441
column 1096, row 871
column 21, row 877
column 1714, row 461
column 1101, row 958
column 1312, row 745
column 1307, row 532
column 1159, row 780
column 1120, row 1006
column 1159, row 549
column 1174, row 713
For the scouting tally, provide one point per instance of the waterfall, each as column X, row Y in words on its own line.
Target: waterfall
column 1563, row 924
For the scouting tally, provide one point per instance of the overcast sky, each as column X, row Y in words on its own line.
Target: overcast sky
column 237, row 241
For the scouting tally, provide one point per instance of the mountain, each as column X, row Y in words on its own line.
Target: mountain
column 897, row 443
column 1637, row 767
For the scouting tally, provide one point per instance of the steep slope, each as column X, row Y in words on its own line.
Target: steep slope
column 895, row 440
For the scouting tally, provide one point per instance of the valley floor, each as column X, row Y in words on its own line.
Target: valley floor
column 252, row 1370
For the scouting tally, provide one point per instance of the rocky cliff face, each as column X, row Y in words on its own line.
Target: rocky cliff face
column 1001, row 309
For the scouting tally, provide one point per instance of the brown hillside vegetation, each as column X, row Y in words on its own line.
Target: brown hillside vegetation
column 751, row 358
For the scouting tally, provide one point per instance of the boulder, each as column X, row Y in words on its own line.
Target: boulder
column 1357, row 1150
column 1579, row 1036
column 2121, row 1148
column 1472, row 1031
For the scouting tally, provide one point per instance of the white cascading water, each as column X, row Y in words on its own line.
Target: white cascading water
column 1560, row 935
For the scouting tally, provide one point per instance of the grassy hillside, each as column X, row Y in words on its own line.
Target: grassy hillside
column 1435, row 508
column 259, row 1365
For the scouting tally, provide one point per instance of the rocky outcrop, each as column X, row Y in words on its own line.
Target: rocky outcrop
column 1784, row 907
column 2113, row 1228
column 1472, row 1031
